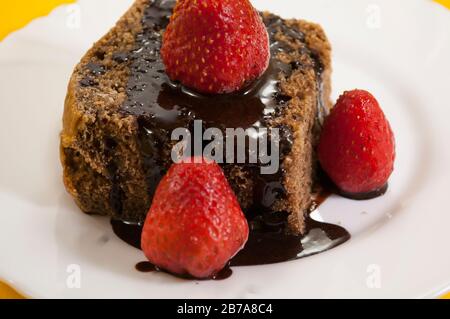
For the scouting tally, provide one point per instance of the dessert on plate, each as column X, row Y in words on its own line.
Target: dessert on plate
column 121, row 108
column 168, row 65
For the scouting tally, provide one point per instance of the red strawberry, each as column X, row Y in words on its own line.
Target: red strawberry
column 215, row 46
column 195, row 224
column 357, row 146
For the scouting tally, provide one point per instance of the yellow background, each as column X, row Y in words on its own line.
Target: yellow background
column 8, row 293
column 445, row 3
column 15, row 14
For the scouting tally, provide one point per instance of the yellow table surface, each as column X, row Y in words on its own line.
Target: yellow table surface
column 445, row 3
column 17, row 14
column 7, row 292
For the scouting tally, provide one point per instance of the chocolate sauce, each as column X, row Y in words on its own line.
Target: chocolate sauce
column 364, row 196
column 146, row 266
column 95, row 68
column 223, row 274
column 264, row 246
column 268, row 241
column 326, row 186
column 128, row 232
column 153, row 96
column 120, row 57
column 88, row 81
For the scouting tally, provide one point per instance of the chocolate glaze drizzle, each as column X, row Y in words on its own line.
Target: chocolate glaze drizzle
column 268, row 242
column 146, row 266
column 328, row 187
column 364, row 196
column 155, row 98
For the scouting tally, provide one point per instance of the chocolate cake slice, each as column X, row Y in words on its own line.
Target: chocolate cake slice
column 121, row 109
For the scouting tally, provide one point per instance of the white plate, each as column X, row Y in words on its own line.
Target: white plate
column 398, row 50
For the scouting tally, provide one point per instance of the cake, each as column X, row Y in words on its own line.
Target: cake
column 121, row 108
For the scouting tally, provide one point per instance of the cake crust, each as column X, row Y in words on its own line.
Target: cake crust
column 100, row 143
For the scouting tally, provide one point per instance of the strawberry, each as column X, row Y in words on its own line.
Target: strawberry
column 195, row 224
column 357, row 146
column 215, row 46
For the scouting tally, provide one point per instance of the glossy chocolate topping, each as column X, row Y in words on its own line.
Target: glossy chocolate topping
column 328, row 187
column 166, row 104
column 268, row 242
column 146, row 266
column 364, row 196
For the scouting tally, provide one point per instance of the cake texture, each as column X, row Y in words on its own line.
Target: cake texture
column 121, row 109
